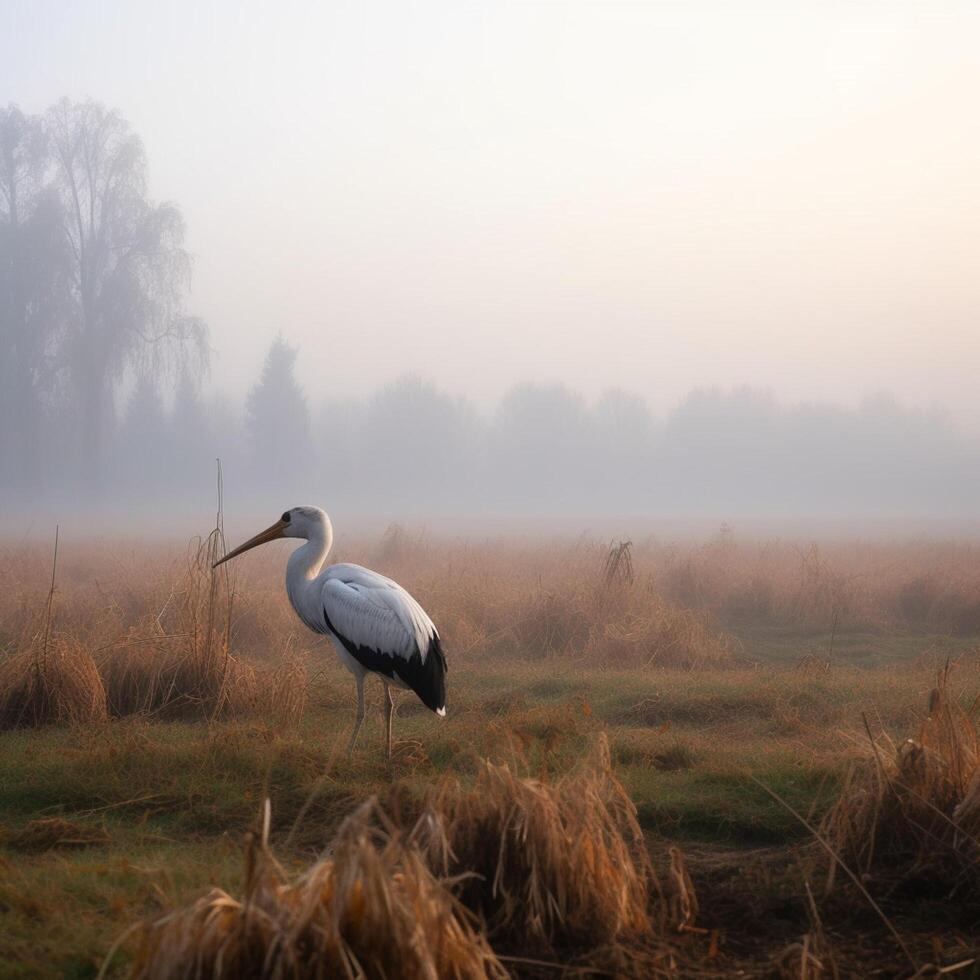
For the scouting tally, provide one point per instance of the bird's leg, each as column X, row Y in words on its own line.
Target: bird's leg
column 359, row 720
column 389, row 711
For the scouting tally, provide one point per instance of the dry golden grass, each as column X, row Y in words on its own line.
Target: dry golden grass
column 49, row 679
column 630, row 603
column 170, row 655
column 371, row 908
column 282, row 693
column 834, row 584
column 910, row 813
column 549, row 864
column 549, row 867
column 59, row 685
column 812, row 958
column 584, row 603
column 169, row 637
column 175, row 662
column 635, row 626
column 46, row 833
column 549, row 643
column 180, row 663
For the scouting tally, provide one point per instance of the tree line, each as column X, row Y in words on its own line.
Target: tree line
column 102, row 402
column 412, row 450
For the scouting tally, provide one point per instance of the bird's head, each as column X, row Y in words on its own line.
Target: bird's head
column 297, row 522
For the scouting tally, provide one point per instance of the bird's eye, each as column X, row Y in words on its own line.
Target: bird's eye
column 285, row 517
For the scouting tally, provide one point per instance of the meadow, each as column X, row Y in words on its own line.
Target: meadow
column 716, row 758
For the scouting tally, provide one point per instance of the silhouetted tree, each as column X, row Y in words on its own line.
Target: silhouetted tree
column 540, row 438
column 620, row 466
column 417, row 445
column 33, row 280
column 277, row 420
column 130, row 271
column 191, row 426
column 144, row 446
column 722, row 451
column 339, row 426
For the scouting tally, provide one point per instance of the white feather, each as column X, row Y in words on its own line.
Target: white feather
column 375, row 612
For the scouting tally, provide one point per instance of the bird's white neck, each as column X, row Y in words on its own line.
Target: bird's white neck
column 306, row 561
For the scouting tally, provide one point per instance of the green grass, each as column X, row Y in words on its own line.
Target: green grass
column 62, row 910
column 853, row 648
column 174, row 800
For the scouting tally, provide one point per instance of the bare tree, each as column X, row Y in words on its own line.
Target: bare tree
column 130, row 271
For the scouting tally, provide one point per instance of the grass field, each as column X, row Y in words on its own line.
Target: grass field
column 740, row 688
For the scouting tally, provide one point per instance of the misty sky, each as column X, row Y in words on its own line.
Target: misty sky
column 654, row 195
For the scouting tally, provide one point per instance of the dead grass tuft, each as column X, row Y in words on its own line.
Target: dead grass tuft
column 621, row 624
column 675, row 757
column 180, row 664
column 546, row 863
column 55, row 681
column 50, row 832
column 371, row 909
column 174, row 662
column 910, row 813
column 649, row 631
column 618, row 567
column 59, row 685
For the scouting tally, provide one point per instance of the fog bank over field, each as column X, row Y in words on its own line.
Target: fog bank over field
column 520, row 266
column 108, row 414
column 543, row 459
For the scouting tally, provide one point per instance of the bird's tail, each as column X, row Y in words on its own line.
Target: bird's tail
column 432, row 682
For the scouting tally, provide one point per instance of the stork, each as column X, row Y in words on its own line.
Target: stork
column 375, row 625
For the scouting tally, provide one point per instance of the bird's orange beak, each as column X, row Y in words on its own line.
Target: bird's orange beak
column 269, row 534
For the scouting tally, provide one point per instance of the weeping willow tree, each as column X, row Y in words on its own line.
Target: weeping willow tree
column 129, row 270
column 33, row 273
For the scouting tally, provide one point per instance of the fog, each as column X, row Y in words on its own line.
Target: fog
column 589, row 264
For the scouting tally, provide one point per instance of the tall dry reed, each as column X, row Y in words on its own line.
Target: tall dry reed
column 180, row 663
